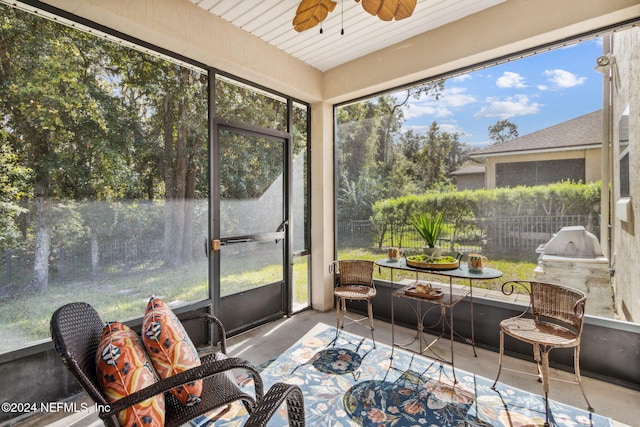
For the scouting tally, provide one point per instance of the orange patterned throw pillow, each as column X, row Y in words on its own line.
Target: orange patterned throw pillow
column 123, row 367
column 170, row 349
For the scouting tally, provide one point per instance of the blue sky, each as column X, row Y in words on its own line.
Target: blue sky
column 534, row 93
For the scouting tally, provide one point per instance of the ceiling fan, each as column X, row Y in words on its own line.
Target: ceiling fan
column 312, row 12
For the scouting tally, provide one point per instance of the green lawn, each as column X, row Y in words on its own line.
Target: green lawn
column 25, row 319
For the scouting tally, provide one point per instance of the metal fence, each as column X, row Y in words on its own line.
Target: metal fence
column 515, row 237
column 74, row 263
column 519, row 236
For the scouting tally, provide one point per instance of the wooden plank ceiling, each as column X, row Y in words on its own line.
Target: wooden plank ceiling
column 270, row 20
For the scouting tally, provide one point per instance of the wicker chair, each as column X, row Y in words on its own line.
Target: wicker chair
column 76, row 329
column 555, row 321
column 355, row 283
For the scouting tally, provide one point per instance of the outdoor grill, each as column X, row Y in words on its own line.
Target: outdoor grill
column 573, row 257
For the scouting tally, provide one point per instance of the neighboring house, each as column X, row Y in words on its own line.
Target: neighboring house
column 567, row 151
column 470, row 177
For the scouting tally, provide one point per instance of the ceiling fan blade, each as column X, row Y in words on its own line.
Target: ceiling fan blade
column 405, row 9
column 388, row 10
column 311, row 12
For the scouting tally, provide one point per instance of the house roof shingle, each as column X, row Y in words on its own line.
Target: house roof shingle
column 581, row 131
column 469, row 170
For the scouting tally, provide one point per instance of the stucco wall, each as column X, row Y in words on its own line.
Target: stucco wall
column 626, row 92
column 592, row 166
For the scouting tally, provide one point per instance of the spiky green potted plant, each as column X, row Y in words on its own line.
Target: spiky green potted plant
column 429, row 226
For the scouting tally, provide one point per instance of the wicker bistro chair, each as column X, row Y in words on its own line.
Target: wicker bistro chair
column 76, row 329
column 555, row 321
column 355, row 283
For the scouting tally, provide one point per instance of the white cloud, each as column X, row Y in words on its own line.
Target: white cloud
column 419, row 109
column 415, row 128
column 563, row 78
column 457, row 97
column 460, row 78
column 444, row 127
column 543, row 87
column 450, row 98
column 510, row 79
column 505, row 108
column 450, row 128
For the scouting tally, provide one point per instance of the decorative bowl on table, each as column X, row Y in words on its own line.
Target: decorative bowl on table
column 424, row 290
column 429, row 263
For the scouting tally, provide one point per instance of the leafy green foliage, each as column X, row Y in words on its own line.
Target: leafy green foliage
column 560, row 199
column 377, row 161
column 429, row 226
column 95, row 125
column 14, row 190
column 428, row 158
column 468, row 213
column 103, row 144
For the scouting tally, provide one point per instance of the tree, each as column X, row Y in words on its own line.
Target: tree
column 377, row 160
column 429, row 158
column 367, row 150
column 395, row 116
column 184, row 147
column 360, row 126
column 51, row 103
column 73, row 117
column 13, row 191
column 238, row 151
column 502, row 131
column 357, row 131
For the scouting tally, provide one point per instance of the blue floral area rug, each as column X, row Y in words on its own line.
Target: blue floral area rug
column 346, row 382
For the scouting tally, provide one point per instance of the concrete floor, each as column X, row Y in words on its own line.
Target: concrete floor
column 619, row 403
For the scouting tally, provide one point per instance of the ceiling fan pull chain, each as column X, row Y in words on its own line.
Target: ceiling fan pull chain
column 342, row 23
